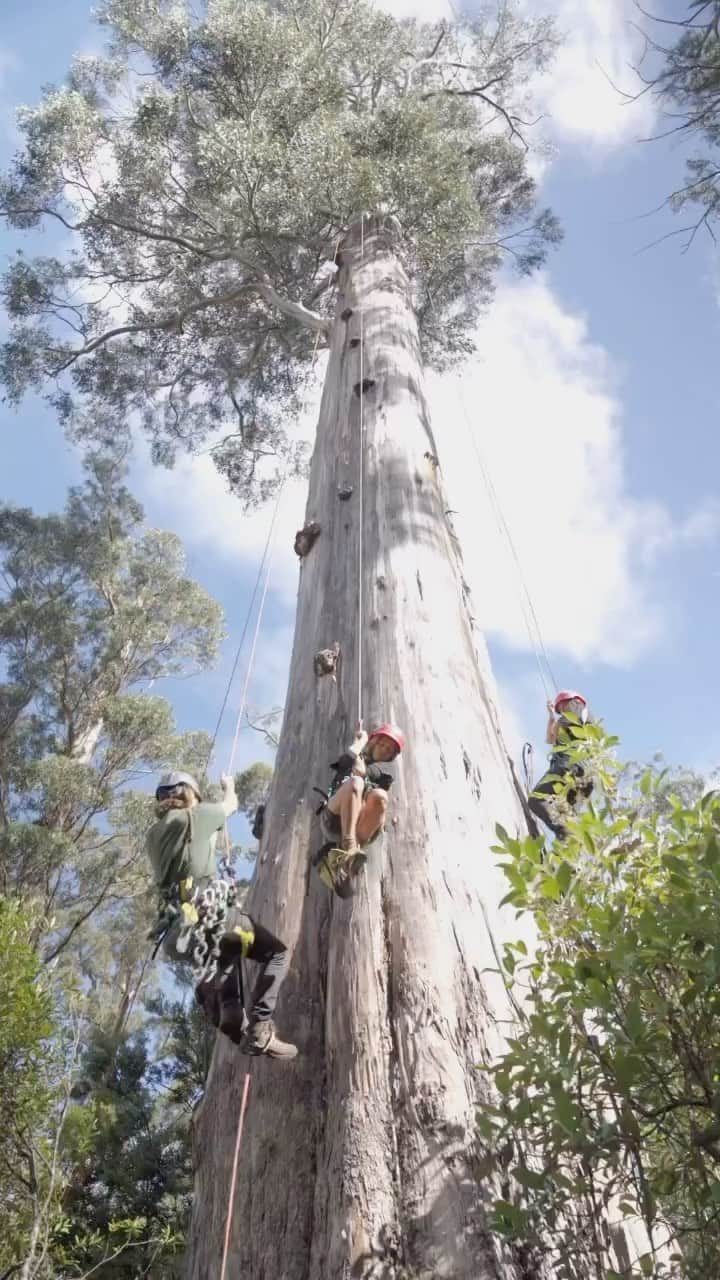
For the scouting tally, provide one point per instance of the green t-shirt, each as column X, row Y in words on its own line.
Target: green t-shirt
column 172, row 856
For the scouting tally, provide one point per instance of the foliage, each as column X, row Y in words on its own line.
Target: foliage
column 687, row 85
column 610, row 1088
column 93, row 610
column 127, row 1199
column 252, row 787
column 204, row 171
column 27, row 1088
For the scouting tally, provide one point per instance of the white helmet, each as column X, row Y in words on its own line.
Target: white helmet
column 170, row 781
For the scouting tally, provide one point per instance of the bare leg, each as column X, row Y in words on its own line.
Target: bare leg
column 347, row 804
column 372, row 816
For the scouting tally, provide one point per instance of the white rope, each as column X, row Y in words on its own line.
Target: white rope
column 527, row 607
column 361, row 491
column 258, row 624
column 529, row 613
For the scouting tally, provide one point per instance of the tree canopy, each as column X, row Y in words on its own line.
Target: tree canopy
column 684, row 75
column 204, row 170
column 96, row 1085
column 93, row 610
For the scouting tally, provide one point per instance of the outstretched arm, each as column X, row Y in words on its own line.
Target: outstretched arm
column 229, row 800
column 357, row 746
column 552, row 729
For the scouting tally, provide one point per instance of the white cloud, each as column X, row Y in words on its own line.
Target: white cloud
column 423, row 10
column 542, row 406
column 9, row 62
column 9, row 65
column 583, row 92
column 193, row 499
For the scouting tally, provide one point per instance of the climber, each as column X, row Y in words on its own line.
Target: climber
column 353, row 813
column 201, row 921
column 565, row 775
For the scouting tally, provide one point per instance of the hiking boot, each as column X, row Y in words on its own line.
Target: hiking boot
column 260, row 1039
column 329, row 861
column 347, row 872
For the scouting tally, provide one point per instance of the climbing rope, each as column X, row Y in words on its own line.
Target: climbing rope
column 361, row 492
column 529, row 612
column 246, row 625
column 527, row 607
column 267, row 552
column 527, row 764
column 233, row 1179
column 258, row 624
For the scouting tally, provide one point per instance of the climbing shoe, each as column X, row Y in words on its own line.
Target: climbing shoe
column 339, row 868
column 260, row 1039
column 324, row 849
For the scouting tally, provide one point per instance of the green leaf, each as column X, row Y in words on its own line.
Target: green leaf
column 528, row 1177
column 564, row 875
column 550, row 888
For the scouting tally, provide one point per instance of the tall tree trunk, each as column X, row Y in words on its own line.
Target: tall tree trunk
column 361, row 1158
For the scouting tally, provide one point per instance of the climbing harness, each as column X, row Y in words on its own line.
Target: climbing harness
column 198, row 914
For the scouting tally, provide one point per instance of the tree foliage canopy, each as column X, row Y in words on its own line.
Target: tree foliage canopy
column 93, row 610
column 95, row 1088
column 204, row 171
column 687, row 84
column 610, row 1089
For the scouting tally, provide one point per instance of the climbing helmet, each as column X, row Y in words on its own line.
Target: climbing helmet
column 391, row 731
column 575, row 703
column 170, row 781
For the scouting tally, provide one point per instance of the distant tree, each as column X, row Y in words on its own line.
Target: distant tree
column 681, row 68
column 252, row 786
column 93, row 610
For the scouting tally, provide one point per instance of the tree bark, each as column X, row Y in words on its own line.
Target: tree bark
column 361, row 1158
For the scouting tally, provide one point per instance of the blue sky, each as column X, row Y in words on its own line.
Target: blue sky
column 594, row 402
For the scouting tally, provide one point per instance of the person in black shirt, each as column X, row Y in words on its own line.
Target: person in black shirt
column 357, row 802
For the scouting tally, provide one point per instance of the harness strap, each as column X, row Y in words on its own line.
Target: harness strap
column 325, row 797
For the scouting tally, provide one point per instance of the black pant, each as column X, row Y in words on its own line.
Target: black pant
column 225, row 990
column 561, row 769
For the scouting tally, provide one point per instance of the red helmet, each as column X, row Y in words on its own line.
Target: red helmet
column 567, row 695
column 390, row 731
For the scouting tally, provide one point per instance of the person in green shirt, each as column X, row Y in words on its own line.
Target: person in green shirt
column 205, row 924
column 565, row 774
